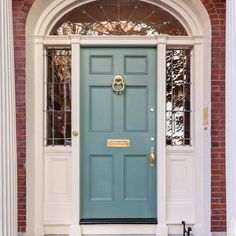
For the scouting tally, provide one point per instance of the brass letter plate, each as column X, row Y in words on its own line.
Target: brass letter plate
column 118, row 143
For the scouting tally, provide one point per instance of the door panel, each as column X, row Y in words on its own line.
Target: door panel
column 117, row 182
column 101, row 110
column 101, row 177
column 136, row 107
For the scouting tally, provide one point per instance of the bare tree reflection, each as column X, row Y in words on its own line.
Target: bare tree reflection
column 178, row 97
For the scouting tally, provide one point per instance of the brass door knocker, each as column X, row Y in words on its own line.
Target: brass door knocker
column 118, row 84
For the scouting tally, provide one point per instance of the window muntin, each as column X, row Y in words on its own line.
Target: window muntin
column 178, row 104
column 58, row 97
column 118, row 17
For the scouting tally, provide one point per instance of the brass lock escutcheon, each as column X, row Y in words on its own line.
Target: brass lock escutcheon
column 152, row 158
column 118, row 85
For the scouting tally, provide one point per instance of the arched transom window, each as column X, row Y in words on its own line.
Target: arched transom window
column 118, row 17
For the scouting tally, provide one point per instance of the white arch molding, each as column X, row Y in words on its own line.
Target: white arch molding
column 41, row 206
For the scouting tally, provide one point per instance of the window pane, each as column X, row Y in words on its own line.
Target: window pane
column 123, row 17
column 58, row 104
column 178, row 109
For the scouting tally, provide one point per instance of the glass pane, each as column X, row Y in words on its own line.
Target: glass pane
column 58, row 104
column 118, row 17
column 178, row 87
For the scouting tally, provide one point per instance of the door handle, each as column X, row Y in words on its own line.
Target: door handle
column 152, row 158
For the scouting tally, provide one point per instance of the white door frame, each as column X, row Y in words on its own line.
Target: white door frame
column 161, row 42
column 41, row 18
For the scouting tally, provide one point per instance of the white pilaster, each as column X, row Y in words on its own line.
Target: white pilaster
column 75, row 161
column 8, row 206
column 36, row 214
column 161, row 134
column 231, row 116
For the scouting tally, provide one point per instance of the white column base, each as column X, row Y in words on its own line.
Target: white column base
column 75, row 230
column 200, row 230
column 232, row 227
column 39, row 231
column 162, row 230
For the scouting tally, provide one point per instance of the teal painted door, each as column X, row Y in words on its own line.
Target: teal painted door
column 118, row 182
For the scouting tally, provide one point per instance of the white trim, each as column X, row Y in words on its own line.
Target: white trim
column 231, row 116
column 8, row 156
column 121, row 40
column 118, row 229
column 38, row 141
column 75, row 163
column 161, row 134
column 179, row 10
column 200, row 159
column 219, row 234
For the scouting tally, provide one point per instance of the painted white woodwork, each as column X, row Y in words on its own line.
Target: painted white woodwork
column 180, row 185
column 161, row 134
column 181, row 41
column 57, row 186
column 194, row 17
column 231, row 116
column 201, row 141
column 8, row 161
column 104, row 229
column 179, row 9
column 38, row 165
column 75, row 171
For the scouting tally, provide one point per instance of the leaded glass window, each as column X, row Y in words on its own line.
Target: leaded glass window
column 58, row 94
column 118, row 17
column 178, row 104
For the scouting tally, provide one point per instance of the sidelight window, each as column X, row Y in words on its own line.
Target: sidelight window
column 178, row 104
column 58, row 97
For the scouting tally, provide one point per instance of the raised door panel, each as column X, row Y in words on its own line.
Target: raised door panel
column 101, row 108
column 136, row 179
column 101, row 178
column 136, row 109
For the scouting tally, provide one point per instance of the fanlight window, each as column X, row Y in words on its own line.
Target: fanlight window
column 118, row 17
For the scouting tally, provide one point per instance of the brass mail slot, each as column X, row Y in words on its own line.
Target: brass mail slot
column 118, row 143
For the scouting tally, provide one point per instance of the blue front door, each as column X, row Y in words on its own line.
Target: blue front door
column 118, row 133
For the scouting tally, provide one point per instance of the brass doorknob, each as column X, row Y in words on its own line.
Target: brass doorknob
column 152, row 158
column 75, row 133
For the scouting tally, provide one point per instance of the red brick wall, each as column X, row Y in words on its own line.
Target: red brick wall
column 216, row 10
column 20, row 11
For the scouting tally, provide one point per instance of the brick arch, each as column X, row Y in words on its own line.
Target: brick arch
column 216, row 11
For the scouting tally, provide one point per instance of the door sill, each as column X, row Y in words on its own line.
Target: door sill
column 103, row 221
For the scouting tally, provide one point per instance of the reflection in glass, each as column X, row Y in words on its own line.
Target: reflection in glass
column 58, row 90
column 178, row 110
column 118, row 17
